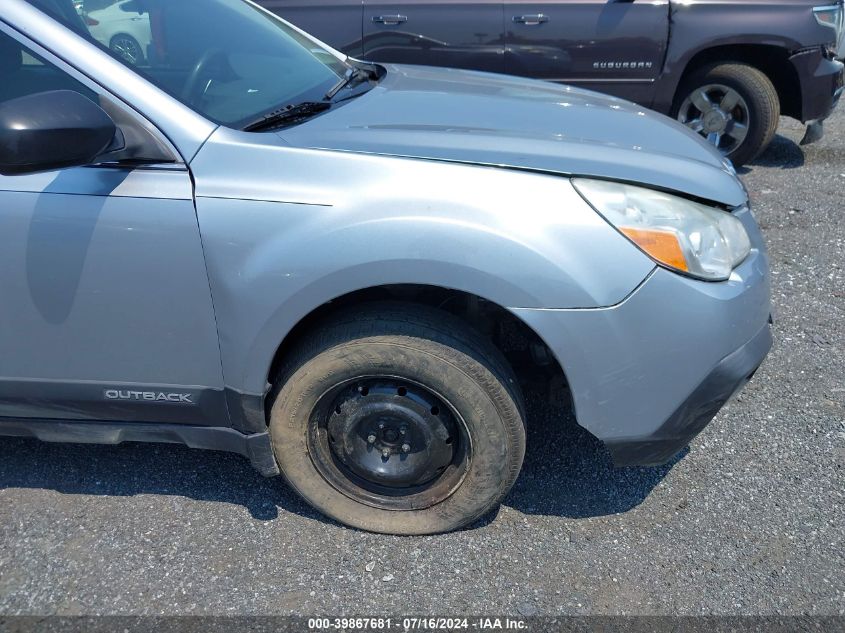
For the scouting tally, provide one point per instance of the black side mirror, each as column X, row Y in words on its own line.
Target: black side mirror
column 52, row 130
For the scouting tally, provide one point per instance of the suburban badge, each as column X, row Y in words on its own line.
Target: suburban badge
column 614, row 65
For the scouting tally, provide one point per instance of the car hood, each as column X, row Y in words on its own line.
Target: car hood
column 487, row 119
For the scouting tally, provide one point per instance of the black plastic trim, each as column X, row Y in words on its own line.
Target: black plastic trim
column 246, row 411
column 88, row 401
column 696, row 412
column 255, row 447
column 821, row 81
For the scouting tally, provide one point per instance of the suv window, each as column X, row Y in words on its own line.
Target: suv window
column 22, row 73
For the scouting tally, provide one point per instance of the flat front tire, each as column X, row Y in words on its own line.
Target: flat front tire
column 398, row 419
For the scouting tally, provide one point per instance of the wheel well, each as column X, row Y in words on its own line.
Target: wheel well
column 532, row 360
column 773, row 61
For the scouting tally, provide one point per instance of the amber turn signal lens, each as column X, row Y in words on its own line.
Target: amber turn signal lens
column 661, row 245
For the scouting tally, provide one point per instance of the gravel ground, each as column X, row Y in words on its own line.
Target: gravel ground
column 749, row 521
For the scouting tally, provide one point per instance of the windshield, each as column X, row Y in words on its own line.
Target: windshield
column 227, row 59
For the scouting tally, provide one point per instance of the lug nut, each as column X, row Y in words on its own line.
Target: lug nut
column 403, row 430
column 385, row 453
column 406, row 448
column 371, row 438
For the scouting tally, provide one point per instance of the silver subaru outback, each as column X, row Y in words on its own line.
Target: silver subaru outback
column 243, row 240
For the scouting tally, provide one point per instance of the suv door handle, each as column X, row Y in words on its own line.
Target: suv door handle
column 390, row 19
column 531, row 20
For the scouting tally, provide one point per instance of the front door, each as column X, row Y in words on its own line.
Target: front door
column 467, row 34
column 105, row 308
column 607, row 45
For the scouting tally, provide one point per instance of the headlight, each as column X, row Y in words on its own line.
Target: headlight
column 677, row 233
column 831, row 15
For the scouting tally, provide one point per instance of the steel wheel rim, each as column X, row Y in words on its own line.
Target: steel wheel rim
column 419, row 471
column 719, row 114
column 127, row 48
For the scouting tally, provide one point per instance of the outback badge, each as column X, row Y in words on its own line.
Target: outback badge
column 149, row 396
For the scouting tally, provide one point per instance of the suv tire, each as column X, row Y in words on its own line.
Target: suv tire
column 753, row 117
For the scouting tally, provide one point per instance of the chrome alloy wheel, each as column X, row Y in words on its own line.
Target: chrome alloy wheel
column 719, row 114
column 127, row 48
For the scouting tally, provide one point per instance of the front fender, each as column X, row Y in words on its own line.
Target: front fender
column 701, row 26
column 286, row 230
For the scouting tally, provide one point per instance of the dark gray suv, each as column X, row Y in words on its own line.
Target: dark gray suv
column 725, row 69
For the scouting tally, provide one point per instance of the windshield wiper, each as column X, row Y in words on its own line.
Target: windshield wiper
column 292, row 114
column 288, row 115
column 353, row 74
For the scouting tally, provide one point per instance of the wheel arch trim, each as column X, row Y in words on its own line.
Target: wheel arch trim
column 298, row 307
column 722, row 50
column 291, row 320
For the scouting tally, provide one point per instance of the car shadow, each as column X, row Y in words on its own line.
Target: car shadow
column 567, row 473
column 152, row 469
column 782, row 152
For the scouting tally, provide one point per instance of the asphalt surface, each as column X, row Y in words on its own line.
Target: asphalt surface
column 749, row 521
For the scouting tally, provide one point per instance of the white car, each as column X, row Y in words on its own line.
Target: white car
column 124, row 28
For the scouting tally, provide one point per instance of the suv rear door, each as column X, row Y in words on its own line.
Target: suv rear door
column 467, row 34
column 612, row 46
